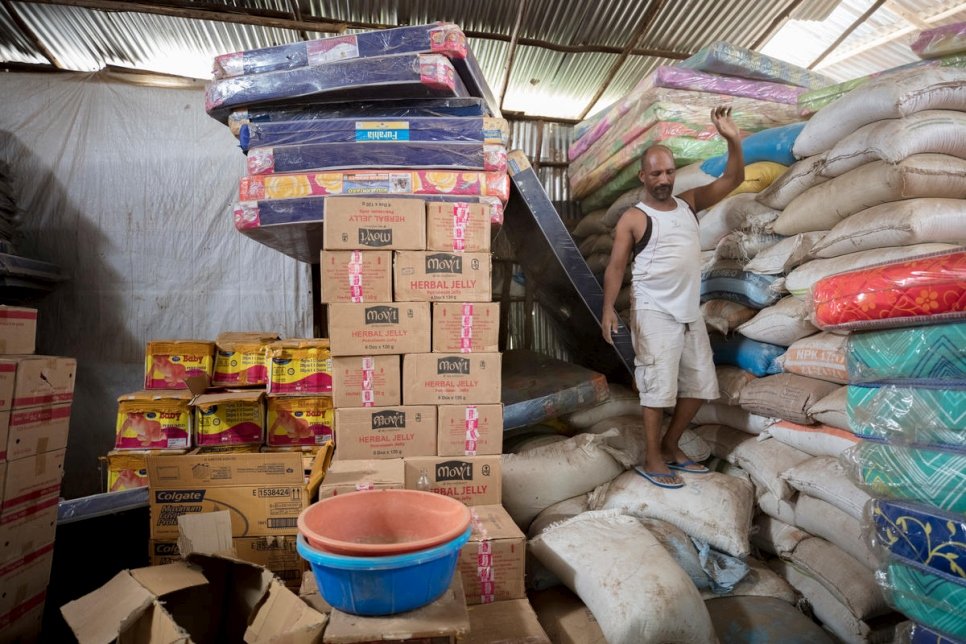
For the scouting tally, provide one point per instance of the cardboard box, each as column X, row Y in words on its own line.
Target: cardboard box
column 356, row 276
column 27, row 622
column 343, row 477
column 24, row 583
column 458, row 227
column 28, row 528
column 493, row 562
column 309, row 593
column 365, row 381
column 35, row 430
column 4, row 437
column 213, row 596
column 469, row 430
column 451, row 379
column 128, row 469
column 466, row 327
column 301, row 366
column 506, row 622
column 276, row 554
column 474, row 480
column 355, row 223
column 434, row 276
column 18, row 329
column 153, row 420
column 444, row 621
column 264, row 493
column 32, row 480
column 565, row 618
column 234, row 418
column 300, row 421
column 385, row 432
column 379, row 329
column 32, row 381
column 168, row 364
column 241, row 359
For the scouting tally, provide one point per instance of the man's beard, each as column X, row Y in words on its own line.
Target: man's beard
column 662, row 193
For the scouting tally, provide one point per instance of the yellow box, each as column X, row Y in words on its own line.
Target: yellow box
column 153, row 420
column 235, row 418
column 167, row 363
column 241, row 359
column 299, row 420
column 300, row 367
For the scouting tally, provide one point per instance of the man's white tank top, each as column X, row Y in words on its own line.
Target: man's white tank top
column 667, row 272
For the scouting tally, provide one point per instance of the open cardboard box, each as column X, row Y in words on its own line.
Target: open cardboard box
column 210, row 596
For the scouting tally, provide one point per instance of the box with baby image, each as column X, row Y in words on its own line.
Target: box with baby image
column 365, row 381
column 436, row 276
column 169, row 363
column 356, row 276
column 241, row 359
column 127, row 469
column 233, row 418
column 299, row 421
column 154, row 420
column 300, row 366
column 385, row 432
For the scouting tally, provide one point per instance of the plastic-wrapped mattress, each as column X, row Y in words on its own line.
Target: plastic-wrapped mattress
column 900, row 414
column 726, row 59
column 409, row 155
column 941, row 41
column 925, row 535
column 927, row 596
column 386, row 77
column 912, row 355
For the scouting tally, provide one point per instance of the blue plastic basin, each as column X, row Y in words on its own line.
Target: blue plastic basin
column 383, row 585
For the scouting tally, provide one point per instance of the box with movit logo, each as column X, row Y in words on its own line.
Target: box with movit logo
column 356, row 276
column 451, row 379
column 442, row 277
column 374, row 223
column 379, row 329
column 385, row 432
column 365, row 381
column 474, row 480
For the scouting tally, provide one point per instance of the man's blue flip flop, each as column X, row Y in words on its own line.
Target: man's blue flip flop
column 688, row 466
column 657, row 477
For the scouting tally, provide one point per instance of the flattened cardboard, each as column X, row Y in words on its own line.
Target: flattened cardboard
column 451, row 379
column 379, row 328
column 361, row 381
column 565, row 618
column 457, row 227
column 385, row 432
column 474, row 480
column 469, row 430
column 32, row 480
column 374, row 223
column 493, row 562
column 356, row 276
column 436, row 276
column 32, row 381
column 466, row 327
column 35, row 430
column 23, row 580
column 352, row 476
column 444, row 620
column 18, row 329
column 506, row 622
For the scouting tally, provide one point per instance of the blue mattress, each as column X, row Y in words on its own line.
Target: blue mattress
column 352, row 130
column 915, row 355
column 736, row 285
column 919, row 634
column 402, row 76
column 294, row 226
column 916, row 415
column 928, row 536
column 759, row 358
column 344, row 156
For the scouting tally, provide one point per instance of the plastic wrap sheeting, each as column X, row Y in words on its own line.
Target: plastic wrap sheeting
column 914, row 355
column 362, row 130
column 930, row 537
column 375, row 109
column 909, row 414
column 941, row 41
column 692, row 79
column 924, row 290
column 438, row 38
column 774, row 144
column 930, row 475
column 415, row 154
column 390, row 182
column 925, row 595
column 387, row 77
column 726, row 59
column 759, row 358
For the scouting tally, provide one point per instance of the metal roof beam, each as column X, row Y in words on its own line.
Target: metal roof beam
column 30, row 35
column 511, row 52
column 848, row 32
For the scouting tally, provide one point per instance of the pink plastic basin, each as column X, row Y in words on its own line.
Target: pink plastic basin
column 376, row 523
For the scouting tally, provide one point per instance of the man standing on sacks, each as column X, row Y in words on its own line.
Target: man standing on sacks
column 673, row 362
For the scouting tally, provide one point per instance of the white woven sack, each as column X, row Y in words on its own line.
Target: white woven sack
column 731, row 380
column 723, row 315
column 799, row 177
column 711, row 507
column 761, row 581
column 776, row 508
column 785, row 255
column 901, row 223
column 631, row 444
column 824, row 520
column 823, row 477
column 888, row 97
column 782, row 323
column 626, row 578
column 620, row 401
column 814, row 440
column 820, row 356
column 831, row 410
column 566, row 509
column 776, row 537
column 591, row 224
column 744, row 246
column 738, row 212
column 732, row 416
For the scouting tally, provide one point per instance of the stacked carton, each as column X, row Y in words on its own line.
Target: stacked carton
column 35, row 400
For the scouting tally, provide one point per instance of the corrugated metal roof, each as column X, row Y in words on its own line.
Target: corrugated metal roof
column 544, row 82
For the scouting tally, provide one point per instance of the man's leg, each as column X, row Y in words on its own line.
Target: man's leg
column 684, row 411
column 653, row 459
column 697, row 382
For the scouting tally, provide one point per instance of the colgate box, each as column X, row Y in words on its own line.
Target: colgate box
column 169, row 363
column 385, row 432
column 474, row 480
column 153, row 420
column 493, row 561
column 450, row 379
column 469, row 430
column 276, row 554
column 295, row 421
column 234, row 418
column 32, row 381
column 379, row 329
column 356, row 276
column 240, row 359
column 442, row 277
column 353, row 223
column 300, row 367
column 365, row 381
column 466, row 327
column 458, row 227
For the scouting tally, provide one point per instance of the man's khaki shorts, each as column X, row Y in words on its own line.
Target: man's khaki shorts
column 672, row 360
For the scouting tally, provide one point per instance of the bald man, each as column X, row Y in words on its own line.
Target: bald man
column 673, row 365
